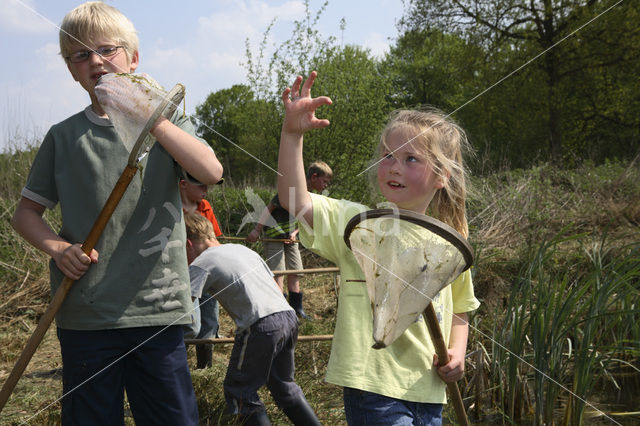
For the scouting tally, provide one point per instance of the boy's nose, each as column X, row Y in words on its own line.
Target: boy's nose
column 95, row 57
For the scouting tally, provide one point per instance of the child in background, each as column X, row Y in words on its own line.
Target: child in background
column 192, row 193
column 267, row 327
column 120, row 327
column 419, row 166
column 319, row 176
column 286, row 255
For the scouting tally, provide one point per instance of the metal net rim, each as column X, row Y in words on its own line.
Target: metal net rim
column 434, row 225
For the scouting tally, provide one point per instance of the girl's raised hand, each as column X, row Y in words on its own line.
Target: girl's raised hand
column 300, row 107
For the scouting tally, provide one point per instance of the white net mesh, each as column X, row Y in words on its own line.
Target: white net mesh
column 130, row 101
column 405, row 266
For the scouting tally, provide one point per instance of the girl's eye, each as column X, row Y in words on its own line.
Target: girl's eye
column 387, row 156
column 412, row 159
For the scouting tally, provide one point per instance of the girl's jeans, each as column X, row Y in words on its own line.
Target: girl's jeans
column 364, row 408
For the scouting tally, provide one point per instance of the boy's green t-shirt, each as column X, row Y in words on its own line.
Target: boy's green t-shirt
column 403, row 370
column 141, row 278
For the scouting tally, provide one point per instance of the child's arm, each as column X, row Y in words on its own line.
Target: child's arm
column 266, row 213
column 299, row 117
column 70, row 259
column 196, row 158
column 454, row 369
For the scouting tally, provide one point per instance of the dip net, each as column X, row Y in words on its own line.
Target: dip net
column 133, row 103
column 406, row 258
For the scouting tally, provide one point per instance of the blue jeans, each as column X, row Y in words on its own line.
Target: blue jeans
column 262, row 355
column 149, row 363
column 364, row 408
column 209, row 312
column 204, row 319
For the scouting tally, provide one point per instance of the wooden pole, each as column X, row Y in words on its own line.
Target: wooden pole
column 306, row 271
column 266, row 240
column 443, row 356
column 223, row 340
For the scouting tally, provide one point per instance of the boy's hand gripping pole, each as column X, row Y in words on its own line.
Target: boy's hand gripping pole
column 441, row 350
column 143, row 143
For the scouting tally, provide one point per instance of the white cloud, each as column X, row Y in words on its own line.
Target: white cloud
column 211, row 60
column 220, row 61
column 32, row 106
column 49, row 55
column 204, row 52
column 48, row 96
column 254, row 16
column 174, row 59
column 377, row 43
column 21, row 16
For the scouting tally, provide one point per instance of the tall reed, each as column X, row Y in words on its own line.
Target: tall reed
column 565, row 325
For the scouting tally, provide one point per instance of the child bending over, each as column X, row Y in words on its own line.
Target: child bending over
column 267, row 327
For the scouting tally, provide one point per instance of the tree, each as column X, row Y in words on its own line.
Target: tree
column 519, row 25
column 241, row 129
column 350, row 76
column 603, row 110
column 218, row 121
column 431, row 68
column 360, row 93
column 447, row 71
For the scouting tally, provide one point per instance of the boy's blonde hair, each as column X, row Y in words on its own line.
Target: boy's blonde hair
column 198, row 227
column 320, row 168
column 93, row 20
column 442, row 142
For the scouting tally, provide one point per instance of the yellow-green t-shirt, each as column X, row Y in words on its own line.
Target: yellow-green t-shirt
column 404, row 369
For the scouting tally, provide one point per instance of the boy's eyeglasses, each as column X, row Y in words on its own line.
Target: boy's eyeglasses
column 83, row 55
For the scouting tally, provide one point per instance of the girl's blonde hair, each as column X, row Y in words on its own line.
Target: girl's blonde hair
column 198, row 227
column 93, row 20
column 442, row 142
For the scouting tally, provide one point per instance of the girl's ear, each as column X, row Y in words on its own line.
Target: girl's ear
column 189, row 243
column 442, row 181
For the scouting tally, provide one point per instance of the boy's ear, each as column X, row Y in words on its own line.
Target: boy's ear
column 135, row 61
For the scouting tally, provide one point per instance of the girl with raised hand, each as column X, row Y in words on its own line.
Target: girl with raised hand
column 419, row 166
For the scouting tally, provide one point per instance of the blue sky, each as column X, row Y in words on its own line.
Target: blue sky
column 195, row 42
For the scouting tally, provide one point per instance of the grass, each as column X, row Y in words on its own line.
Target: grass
column 571, row 324
column 557, row 272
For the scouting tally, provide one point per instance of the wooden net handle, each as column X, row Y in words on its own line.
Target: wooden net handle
column 443, row 356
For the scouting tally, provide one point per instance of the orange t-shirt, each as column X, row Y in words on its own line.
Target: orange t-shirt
column 206, row 210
